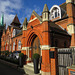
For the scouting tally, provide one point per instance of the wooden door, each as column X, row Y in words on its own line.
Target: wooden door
column 36, row 46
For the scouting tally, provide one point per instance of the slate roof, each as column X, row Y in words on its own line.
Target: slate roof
column 63, row 6
column 57, row 29
column 16, row 21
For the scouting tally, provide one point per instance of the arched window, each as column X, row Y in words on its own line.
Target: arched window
column 55, row 11
column 19, row 45
column 13, row 33
column 14, row 46
column 56, row 14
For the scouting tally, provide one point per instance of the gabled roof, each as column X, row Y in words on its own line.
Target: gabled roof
column 40, row 19
column 63, row 6
column 16, row 21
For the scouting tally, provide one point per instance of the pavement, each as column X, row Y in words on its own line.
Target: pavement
column 7, row 68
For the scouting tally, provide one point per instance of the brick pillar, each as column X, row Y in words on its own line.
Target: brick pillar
column 71, row 17
column 54, row 61
column 24, row 46
column 73, row 40
column 45, row 66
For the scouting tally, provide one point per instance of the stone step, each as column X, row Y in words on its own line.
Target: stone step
column 32, row 65
column 29, row 69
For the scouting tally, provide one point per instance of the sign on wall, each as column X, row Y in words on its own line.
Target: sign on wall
column 72, row 73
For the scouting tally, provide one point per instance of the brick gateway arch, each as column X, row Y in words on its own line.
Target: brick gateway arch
column 34, row 44
column 31, row 44
column 29, row 39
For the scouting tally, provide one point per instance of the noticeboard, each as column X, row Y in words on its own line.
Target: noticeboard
column 51, row 54
column 72, row 73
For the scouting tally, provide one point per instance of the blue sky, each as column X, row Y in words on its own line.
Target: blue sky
column 24, row 8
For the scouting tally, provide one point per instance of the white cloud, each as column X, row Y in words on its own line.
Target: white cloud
column 28, row 12
column 9, row 7
column 9, row 18
column 37, row 9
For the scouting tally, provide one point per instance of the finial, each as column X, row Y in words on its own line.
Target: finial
column 25, row 21
column 45, row 8
column 25, row 24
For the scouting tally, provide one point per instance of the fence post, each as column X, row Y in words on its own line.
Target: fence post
column 73, row 55
column 54, row 61
column 71, row 69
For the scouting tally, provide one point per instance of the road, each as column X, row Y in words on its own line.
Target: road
column 7, row 70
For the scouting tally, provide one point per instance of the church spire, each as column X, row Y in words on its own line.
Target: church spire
column 2, row 19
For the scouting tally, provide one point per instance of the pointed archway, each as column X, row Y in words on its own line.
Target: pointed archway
column 35, row 45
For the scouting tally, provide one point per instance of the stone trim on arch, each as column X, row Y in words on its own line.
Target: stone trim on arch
column 32, row 38
column 33, row 33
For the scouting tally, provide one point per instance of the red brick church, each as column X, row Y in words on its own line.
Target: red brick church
column 54, row 29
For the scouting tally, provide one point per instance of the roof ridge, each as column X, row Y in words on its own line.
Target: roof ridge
column 62, row 3
column 37, row 15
